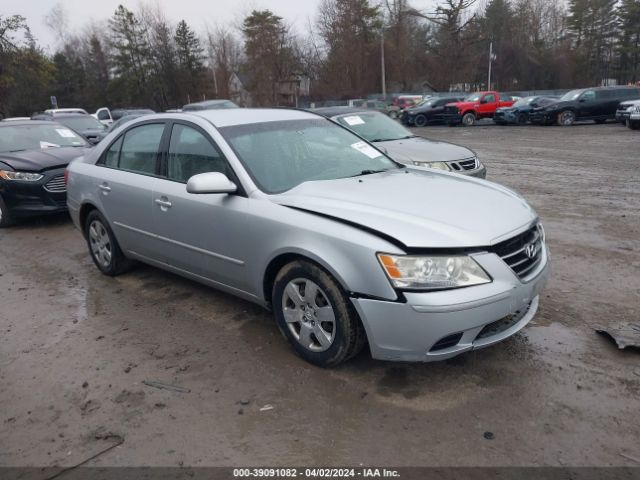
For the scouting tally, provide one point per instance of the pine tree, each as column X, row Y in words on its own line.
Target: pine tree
column 189, row 54
column 629, row 46
column 131, row 55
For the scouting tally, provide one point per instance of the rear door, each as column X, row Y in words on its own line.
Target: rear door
column 125, row 186
column 201, row 234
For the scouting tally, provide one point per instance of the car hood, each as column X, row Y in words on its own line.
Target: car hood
column 37, row 160
column 417, row 208
column 419, row 149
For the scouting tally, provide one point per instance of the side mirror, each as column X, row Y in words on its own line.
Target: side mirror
column 210, row 182
column 582, row 100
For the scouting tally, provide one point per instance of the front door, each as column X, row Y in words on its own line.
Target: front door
column 202, row 234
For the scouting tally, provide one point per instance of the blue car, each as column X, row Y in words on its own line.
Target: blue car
column 518, row 113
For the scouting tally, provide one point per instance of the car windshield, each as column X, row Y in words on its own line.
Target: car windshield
column 281, row 155
column 374, row 127
column 572, row 95
column 15, row 138
column 473, row 98
column 84, row 122
column 524, row 101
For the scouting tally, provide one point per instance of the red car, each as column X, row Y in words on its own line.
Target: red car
column 476, row 106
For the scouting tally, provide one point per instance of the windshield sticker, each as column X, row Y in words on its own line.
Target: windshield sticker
column 48, row 145
column 65, row 132
column 354, row 120
column 367, row 150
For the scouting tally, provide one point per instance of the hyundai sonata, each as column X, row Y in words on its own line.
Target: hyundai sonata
column 297, row 213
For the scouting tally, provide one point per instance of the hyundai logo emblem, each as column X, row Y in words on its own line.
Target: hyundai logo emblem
column 530, row 250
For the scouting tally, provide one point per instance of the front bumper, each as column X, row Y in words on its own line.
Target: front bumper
column 435, row 326
column 24, row 199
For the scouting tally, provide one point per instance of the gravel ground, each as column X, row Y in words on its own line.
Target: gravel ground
column 75, row 348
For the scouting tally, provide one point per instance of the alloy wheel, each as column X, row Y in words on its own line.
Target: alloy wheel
column 309, row 315
column 100, row 243
column 566, row 118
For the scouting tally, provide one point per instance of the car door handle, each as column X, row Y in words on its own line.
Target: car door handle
column 105, row 188
column 163, row 202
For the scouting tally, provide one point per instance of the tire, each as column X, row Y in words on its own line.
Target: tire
column 393, row 114
column 500, row 122
column 522, row 119
column 420, row 121
column 469, row 119
column 6, row 219
column 633, row 125
column 315, row 315
column 103, row 246
column 566, row 118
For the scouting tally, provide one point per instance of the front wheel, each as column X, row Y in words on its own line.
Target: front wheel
column 420, row 120
column 635, row 125
column 103, row 246
column 393, row 114
column 468, row 119
column 522, row 119
column 566, row 118
column 315, row 315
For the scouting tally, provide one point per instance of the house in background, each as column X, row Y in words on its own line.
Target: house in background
column 292, row 89
column 238, row 89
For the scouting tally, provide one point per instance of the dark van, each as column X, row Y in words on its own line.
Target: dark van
column 598, row 104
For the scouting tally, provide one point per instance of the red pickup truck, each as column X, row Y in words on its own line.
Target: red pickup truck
column 476, row 106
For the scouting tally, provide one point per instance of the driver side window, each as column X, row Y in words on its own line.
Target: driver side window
column 490, row 98
column 588, row 95
column 191, row 153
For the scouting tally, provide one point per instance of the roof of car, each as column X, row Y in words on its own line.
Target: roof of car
column 335, row 111
column 62, row 115
column 239, row 116
column 206, row 103
column 17, row 123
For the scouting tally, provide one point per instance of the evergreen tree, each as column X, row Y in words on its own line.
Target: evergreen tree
column 189, row 54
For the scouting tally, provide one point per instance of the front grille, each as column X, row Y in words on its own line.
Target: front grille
column 519, row 254
column 56, row 184
column 466, row 164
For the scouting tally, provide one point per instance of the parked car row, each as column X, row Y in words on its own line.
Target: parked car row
column 598, row 104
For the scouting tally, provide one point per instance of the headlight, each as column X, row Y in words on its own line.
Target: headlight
column 22, row 176
column 432, row 272
column 436, row 165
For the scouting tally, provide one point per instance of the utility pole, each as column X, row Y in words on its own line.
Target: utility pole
column 384, row 80
column 490, row 60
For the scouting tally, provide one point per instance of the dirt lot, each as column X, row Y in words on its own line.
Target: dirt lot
column 75, row 347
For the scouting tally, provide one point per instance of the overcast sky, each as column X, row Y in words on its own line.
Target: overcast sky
column 198, row 13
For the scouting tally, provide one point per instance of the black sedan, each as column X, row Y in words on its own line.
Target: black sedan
column 85, row 125
column 427, row 112
column 518, row 113
column 33, row 158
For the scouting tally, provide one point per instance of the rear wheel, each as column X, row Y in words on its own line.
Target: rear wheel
column 5, row 216
column 393, row 114
column 315, row 315
column 566, row 118
column 420, row 120
column 522, row 119
column 633, row 125
column 469, row 119
column 103, row 246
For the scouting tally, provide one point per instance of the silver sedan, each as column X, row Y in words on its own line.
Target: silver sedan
column 296, row 213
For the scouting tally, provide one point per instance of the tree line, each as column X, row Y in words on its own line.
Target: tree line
column 142, row 58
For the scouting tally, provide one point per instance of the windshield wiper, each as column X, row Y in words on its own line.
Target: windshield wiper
column 391, row 139
column 18, row 150
column 369, row 172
